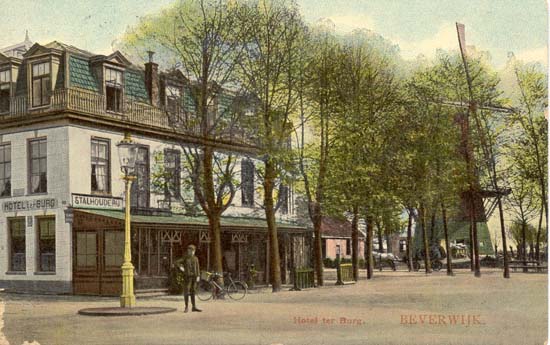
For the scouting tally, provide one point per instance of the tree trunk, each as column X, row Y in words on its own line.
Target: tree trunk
column 212, row 213
column 447, row 244
column 275, row 266
column 370, row 233
column 537, row 245
column 355, row 243
column 477, row 271
column 215, row 244
column 433, row 238
column 506, row 273
column 318, row 248
column 388, row 242
column 379, row 234
column 472, row 249
column 409, row 242
column 524, row 244
column 427, row 261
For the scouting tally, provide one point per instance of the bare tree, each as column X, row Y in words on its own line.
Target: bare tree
column 204, row 39
column 270, row 71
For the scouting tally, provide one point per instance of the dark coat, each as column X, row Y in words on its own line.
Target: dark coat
column 190, row 264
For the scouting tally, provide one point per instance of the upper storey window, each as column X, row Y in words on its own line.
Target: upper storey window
column 247, row 183
column 38, row 178
column 41, row 84
column 173, row 98
column 101, row 177
column 5, row 86
column 113, row 89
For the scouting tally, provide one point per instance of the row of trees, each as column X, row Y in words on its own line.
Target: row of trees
column 374, row 135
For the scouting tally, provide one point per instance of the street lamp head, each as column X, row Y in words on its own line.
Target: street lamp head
column 127, row 151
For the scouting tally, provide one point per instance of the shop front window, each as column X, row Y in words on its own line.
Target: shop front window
column 17, row 244
column 86, row 250
column 114, row 248
column 46, row 244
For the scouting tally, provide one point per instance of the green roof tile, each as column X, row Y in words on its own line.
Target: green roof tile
column 135, row 87
column 81, row 74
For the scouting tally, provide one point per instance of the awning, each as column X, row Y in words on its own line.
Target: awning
column 179, row 219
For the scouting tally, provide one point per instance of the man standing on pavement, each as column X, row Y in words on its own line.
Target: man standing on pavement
column 189, row 264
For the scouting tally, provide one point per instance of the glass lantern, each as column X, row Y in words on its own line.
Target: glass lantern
column 127, row 151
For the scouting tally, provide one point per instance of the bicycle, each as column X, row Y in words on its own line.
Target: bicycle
column 209, row 288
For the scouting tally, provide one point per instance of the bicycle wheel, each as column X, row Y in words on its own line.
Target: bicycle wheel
column 236, row 290
column 436, row 265
column 205, row 290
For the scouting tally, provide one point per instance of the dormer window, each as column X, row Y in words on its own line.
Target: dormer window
column 5, row 86
column 113, row 89
column 173, row 98
column 41, row 84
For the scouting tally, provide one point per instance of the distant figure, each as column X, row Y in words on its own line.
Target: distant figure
column 189, row 264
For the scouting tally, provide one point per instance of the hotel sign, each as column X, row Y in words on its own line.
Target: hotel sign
column 95, row 201
column 29, row 205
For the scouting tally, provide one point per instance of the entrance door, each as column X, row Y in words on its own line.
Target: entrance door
column 98, row 258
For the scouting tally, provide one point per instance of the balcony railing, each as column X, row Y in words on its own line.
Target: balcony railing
column 95, row 104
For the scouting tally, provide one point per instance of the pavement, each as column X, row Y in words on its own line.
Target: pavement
column 393, row 308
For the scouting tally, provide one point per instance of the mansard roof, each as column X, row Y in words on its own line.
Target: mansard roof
column 116, row 58
column 83, row 73
column 38, row 49
column 8, row 59
column 175, row 74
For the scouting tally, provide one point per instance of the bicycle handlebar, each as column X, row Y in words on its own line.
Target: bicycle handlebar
column 218, row 274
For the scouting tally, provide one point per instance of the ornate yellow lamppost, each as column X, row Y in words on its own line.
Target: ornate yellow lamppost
column 127, row 151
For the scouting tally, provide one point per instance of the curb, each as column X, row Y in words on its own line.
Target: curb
column 118, row 311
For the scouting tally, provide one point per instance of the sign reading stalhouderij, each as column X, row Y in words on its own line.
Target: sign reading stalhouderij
column 29, row 205
column 95, row 201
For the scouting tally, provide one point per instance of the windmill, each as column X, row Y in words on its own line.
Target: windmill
column 478, row 203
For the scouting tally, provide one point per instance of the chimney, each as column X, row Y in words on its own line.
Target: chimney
column 152, row 80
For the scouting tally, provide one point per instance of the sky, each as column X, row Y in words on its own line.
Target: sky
column 417, row 26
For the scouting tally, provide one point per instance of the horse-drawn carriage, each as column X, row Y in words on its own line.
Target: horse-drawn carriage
column 381, row 259
column 437, row 253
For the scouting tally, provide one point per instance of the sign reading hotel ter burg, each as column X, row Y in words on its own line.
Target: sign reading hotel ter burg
column 95, row 201
column 29, row 205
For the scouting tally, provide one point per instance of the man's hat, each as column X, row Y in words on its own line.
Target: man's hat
column 192, row 246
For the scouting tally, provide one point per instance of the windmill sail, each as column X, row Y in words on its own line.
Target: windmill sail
column 461, row 31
